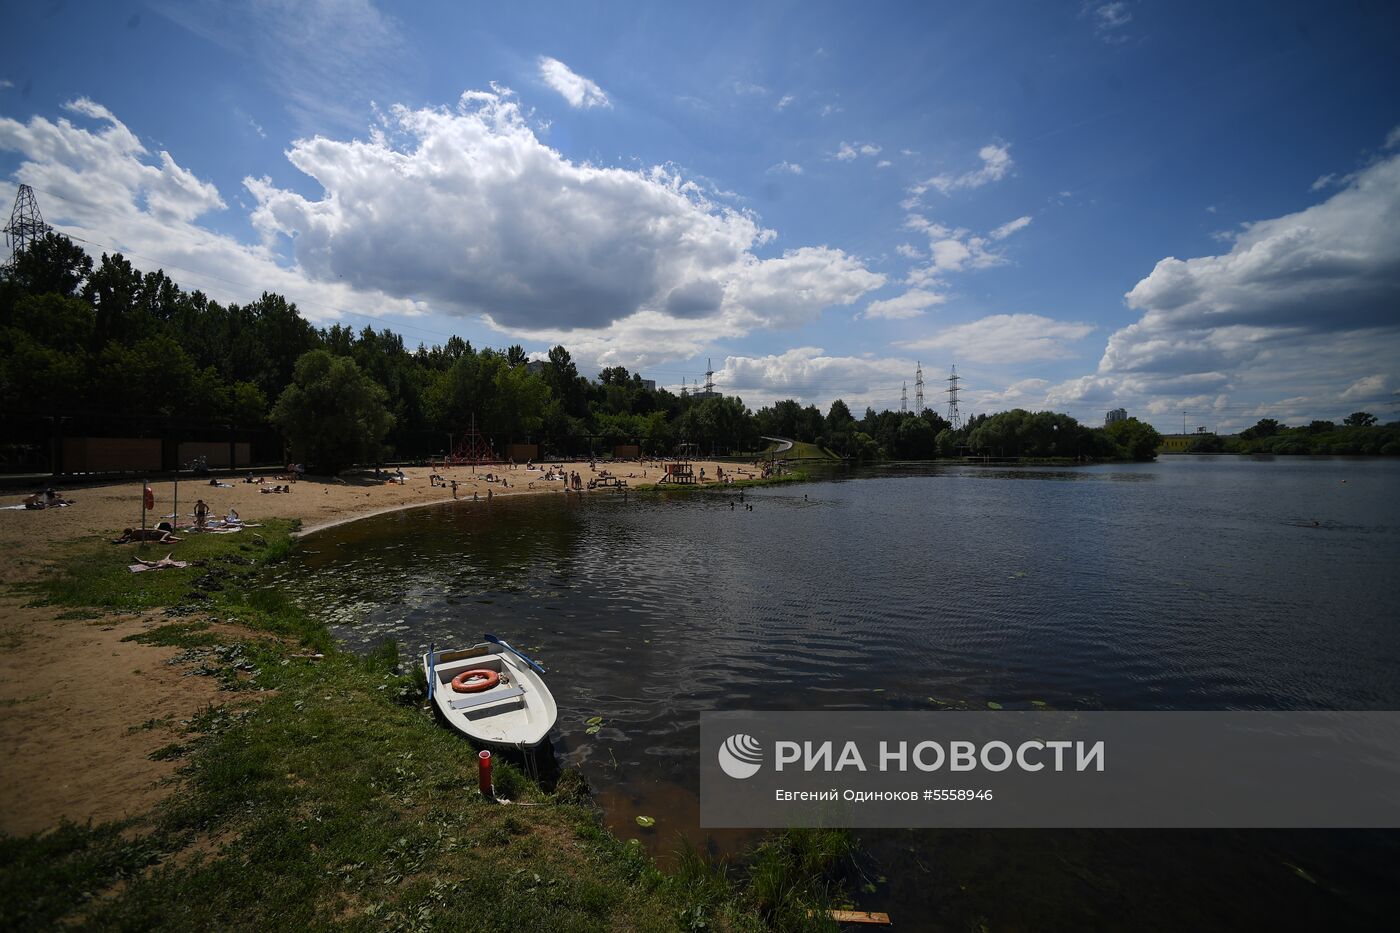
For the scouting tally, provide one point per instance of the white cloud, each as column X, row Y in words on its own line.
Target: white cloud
column 102, row 185
column 748, row 88
column 6, row 84
column 1392, row 139
column 791, row 168
column 1010, row 227
column 487, row 221
column 910, row 304
column 883, row 163
column 1008, row 338
column 811, row 376
column 580, row 92
column 1302, row 306
column 831, row 109
column 851, row 151
column 996, row 164
column 950, row 250
column 783, row 102
column 1369, row 389
column 908, row 252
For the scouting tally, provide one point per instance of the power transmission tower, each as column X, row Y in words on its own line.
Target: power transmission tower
column 685, row 392
column 918, row 389
column 26, row 224
column 954, row 416
column 904, row 398
column 709, row 378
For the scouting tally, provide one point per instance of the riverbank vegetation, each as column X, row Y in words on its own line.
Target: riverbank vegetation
column 85, row 340
column 1358, row 434
column 321, row 792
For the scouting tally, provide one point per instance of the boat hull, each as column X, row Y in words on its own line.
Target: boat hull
column 517, row 712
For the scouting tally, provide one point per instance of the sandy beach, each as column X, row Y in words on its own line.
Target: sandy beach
column 316, row 501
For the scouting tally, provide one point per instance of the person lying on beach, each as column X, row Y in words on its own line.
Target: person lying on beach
column 145, row 534
column 232, row 517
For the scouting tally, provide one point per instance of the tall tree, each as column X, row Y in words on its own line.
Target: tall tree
column 332, row 414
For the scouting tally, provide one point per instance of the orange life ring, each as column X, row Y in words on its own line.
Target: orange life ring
column 475, row 681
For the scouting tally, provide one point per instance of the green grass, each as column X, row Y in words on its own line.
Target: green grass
column 323, row 794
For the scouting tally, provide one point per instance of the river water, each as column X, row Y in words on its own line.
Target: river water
column 1190, row 583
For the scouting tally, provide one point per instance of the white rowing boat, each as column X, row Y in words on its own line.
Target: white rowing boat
column 490, row 695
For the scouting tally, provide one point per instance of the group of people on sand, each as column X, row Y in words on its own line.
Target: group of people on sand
column 280, row 488
column 46, row 499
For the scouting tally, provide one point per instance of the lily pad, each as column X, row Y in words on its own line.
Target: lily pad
column 594, row 721
column 593, row 730
column 993, row 704
column 1039, row 704
column 646, row 822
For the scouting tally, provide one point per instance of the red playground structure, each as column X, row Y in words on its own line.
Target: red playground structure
column 473, row 449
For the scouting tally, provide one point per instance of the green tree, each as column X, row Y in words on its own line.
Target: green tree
column 1135, row 439
column 52, row 264
column 1264, row 427
column 332, row 414
column 1359, row 419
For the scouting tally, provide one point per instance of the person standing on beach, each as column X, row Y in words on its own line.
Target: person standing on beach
column 454, row 489
column 201, row 513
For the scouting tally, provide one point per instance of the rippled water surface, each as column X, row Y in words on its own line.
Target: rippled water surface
column 1200, row 583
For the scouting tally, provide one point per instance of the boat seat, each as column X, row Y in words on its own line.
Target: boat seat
column 490, row 696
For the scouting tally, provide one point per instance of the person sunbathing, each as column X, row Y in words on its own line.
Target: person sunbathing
column 159, row 535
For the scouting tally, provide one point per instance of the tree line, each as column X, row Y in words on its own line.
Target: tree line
column 104, row 338
column 1359, row 433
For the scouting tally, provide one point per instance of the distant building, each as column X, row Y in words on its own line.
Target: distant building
column 1117, row 414
column 649, row 385
column 707, row 393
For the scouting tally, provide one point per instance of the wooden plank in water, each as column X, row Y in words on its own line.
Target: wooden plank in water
column 858, row 916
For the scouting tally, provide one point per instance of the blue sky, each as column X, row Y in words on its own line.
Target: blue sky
column 1162, row 206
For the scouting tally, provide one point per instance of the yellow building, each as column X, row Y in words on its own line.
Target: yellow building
column 1176, row 443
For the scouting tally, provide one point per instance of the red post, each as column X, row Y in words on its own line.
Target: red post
column 483, row 773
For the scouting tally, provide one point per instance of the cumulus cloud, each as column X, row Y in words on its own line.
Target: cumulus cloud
column 1008, row 338
column 1306, row 301
column 811, row 376
column 996, row 164
column 486, row 220
column 580, row 92
column 783, row 102
column 513, row 230
column 910, row 304
column 101, row 184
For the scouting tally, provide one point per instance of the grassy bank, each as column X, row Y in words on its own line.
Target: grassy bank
column 322, row 793
column 796, row 476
